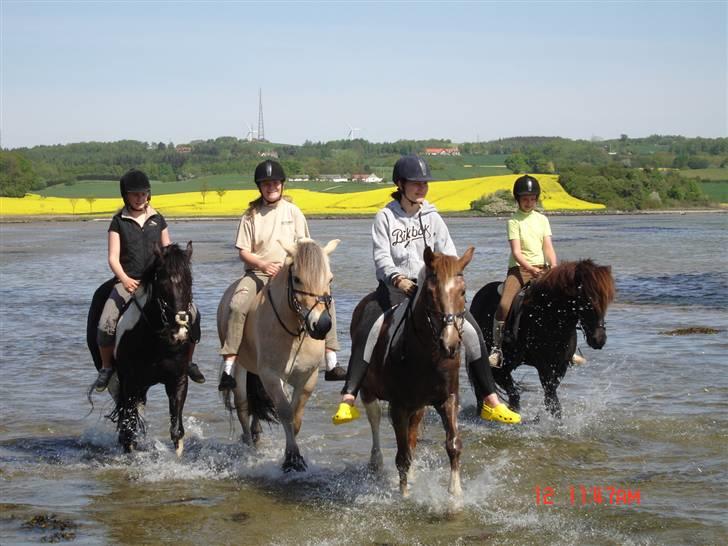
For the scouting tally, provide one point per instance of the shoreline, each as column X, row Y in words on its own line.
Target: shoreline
column 10, row 219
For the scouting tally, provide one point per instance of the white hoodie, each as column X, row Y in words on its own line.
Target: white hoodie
column 398, row 240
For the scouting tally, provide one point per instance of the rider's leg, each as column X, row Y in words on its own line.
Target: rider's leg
column 334, row 372
column 514, row 282
column 492, row 408
column 106, row 333
column 240, row 303
column 368, row 329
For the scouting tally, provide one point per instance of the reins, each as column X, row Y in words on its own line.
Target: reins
column 293, row 303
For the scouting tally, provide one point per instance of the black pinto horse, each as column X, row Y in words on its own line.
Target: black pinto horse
column 542, row 333
column 421, row 366
column 155, row 348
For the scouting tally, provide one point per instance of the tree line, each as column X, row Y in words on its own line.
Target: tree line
column 619, row 162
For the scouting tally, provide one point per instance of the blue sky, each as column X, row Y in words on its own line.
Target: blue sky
column 174, row 71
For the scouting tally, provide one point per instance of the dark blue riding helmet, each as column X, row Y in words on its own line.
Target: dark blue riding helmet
column 411, row 168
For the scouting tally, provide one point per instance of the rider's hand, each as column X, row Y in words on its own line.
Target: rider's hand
column 536, row 272
column 130, row 285
column 271, row 268
column 405, row 285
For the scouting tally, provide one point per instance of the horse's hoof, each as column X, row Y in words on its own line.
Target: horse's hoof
column 295, row 463
column 179, row 447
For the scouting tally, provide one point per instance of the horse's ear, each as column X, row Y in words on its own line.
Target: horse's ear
column 428, row 256
column 290, row 248
column 465, row 260
column 331, row 246
column 189, row 250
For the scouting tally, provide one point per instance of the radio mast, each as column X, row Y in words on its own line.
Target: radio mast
column 261, row 128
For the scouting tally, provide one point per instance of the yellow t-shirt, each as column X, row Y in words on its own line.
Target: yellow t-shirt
column 260, row 233
column 531, row 229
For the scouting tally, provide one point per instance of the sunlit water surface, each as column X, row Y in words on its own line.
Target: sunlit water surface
column 647, row 414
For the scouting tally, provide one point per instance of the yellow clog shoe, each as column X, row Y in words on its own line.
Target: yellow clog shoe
column 500, row 413
column 345, row 414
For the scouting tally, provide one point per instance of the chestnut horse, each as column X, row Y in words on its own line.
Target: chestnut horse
column 416, row 362
column 543, row 333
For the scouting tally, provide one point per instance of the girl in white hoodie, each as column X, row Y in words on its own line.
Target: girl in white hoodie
column 400, row 233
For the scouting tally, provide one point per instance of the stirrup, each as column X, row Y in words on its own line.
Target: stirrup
column 501, row 413
column 345, row 414
column 495, row 359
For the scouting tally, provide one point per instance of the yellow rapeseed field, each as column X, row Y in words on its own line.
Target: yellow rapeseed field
column 450, row 196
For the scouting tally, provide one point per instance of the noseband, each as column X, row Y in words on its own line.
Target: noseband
column 295, row 305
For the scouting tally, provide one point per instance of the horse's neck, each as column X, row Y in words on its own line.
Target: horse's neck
column 278, row 293
column 560, row 308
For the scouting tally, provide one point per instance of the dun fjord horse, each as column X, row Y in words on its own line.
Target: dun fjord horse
column 283, row 343
column 152, row 342
column 416, row 363
column 542, row 332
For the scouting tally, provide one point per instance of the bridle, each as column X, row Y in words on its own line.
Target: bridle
column 435, row 317
column 583, row 302
column 295, row 305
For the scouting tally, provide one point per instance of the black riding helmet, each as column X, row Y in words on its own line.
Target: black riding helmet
column 411, row 168
column 134, row 180
column 269, row 170
column 525, row 185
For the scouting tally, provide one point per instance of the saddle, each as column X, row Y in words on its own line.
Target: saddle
column 513, row 320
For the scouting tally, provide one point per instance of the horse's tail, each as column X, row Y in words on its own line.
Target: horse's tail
column 260, row 404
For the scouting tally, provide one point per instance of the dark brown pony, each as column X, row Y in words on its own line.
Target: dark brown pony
column 416, row 363
column 152, row 342
column 541, row 330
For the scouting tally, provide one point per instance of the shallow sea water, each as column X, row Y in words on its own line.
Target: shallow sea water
column 648, row 413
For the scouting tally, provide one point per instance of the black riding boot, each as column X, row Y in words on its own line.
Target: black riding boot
column 479, row 369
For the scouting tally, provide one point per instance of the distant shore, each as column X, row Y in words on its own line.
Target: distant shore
column 17, row 219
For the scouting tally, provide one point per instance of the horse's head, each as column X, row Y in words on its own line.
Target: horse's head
column 173, row 291
column 443, row 291
column 309, row 284
column 595, row 291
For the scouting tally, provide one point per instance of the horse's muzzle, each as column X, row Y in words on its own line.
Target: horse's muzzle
column 319, row 328
column 597, row 339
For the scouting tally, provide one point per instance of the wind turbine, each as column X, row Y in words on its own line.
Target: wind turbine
column 352, row 132
column 252, row 135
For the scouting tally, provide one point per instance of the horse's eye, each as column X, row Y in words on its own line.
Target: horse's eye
column 296, row 279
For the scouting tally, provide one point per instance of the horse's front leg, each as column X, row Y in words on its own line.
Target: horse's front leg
column 374, row 415
column 299, row 399
column 128, row 415
column 550, row 381
column 177, row 395
column 401, row 421
column 453, row 445
column 274, row 387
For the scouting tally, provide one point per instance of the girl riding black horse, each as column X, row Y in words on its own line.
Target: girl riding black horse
column 540, row 329
column 153, row 341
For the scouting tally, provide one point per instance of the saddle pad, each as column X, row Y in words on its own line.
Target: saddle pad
column 131, row 315
column 397, row 314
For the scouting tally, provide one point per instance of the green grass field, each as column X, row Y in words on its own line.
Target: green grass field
column 443, row 168
column 706, row 174
column 717, row 191
column 110, row 188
